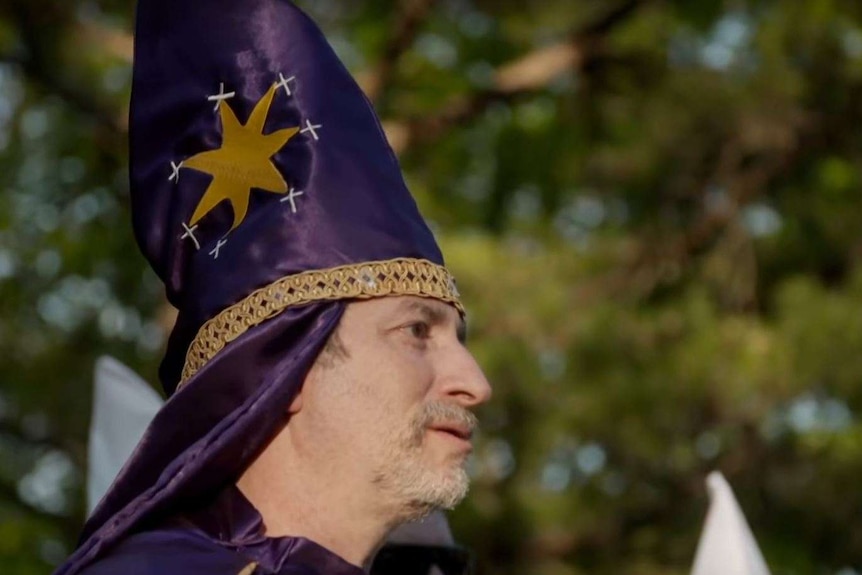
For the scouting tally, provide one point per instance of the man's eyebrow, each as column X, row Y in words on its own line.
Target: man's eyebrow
column 436, row 316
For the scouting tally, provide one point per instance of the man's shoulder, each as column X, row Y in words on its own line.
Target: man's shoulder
column 169, row 552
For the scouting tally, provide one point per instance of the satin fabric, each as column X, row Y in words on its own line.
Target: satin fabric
column 204, row 437
column 355, row 207
column 222, row 538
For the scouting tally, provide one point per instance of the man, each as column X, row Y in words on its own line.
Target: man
column 319, row 390
column 124, row 405
column 379, row 432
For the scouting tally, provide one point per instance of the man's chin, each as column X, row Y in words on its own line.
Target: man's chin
column 426, row 480
column 448, row 490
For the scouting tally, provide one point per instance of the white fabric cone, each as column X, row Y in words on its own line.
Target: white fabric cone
column 727, row 546
column 123, row 406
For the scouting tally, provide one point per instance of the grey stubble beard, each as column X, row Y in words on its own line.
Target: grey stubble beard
column 402, row 473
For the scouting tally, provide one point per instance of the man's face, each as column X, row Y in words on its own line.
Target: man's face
column 394, row 399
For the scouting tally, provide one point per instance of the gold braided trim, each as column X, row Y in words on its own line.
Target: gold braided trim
column 402, row 276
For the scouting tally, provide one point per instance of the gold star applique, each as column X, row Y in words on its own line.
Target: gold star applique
column 243, row 161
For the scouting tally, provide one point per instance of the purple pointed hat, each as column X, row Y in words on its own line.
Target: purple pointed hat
column 265, row 195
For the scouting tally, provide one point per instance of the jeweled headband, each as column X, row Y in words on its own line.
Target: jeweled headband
column 402, row 276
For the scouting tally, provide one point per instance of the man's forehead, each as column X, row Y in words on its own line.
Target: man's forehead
column 425, row 304
column 391, row 307
column 403, row 303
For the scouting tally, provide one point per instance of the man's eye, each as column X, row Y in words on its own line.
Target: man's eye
column 419, row 330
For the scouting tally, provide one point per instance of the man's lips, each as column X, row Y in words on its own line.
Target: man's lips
column 462, row 432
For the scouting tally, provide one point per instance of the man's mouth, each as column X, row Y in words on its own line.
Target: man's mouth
column 462, row 432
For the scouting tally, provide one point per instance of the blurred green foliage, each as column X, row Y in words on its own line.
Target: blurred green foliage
column 654, row 212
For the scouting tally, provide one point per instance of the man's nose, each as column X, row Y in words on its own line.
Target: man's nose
column 463, row 379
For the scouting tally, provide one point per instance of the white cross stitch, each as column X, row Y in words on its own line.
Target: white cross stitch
column 290, row 197
column 219, row 245
column 222, row 95
column 176, row 172
column 309, row 127
column 190, row 233
column 285, row 83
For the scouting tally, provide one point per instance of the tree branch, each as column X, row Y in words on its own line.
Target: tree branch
column 412, row 14
column 118, row 43
column 529, row 73
column 36, row 64
column 109, row 119
column 744, row 181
